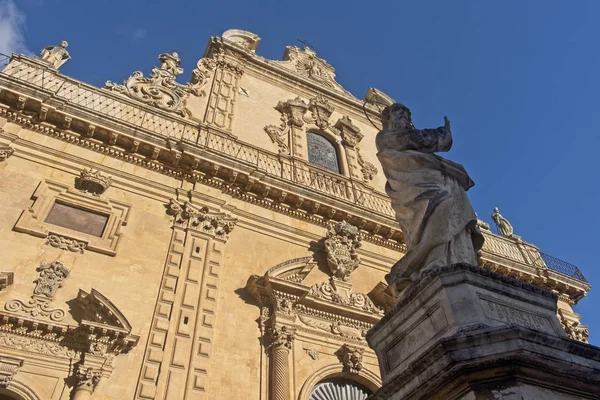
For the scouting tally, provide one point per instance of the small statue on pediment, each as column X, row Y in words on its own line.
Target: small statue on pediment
column 504, row 227
column 56, row 55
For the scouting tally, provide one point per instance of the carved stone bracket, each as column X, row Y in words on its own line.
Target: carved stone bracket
column 350, row 133
column 341, row 243
column 93, row 182
column 159, row 89
column 351, row 358
column 49, row 281
column 5, row 152
column 201, row 218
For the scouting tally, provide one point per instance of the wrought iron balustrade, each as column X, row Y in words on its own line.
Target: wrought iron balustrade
column 129, row 114
column 563, row 267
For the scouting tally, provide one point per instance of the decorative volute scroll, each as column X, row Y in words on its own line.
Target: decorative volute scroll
column 160, row 89
column 350, row 133
column 93, row 182
column 48, row 282
column 292, row 115
column 341, row 243
column 201, row 218
column 306, row 64
column 366, row 168
column 244, row 39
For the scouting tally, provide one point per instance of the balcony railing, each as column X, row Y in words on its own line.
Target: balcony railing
column 563, row 267
column 128, row 114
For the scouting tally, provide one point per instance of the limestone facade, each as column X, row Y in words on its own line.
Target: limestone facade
column 164, row 240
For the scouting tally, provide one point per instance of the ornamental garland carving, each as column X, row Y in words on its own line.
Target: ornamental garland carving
column 200, row 218
column 368, row 170
column 341, row 243
column 64, row 243
column 160, row 89
column 34, row 345
column 48, row 282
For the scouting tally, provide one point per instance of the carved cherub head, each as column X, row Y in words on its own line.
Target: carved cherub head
column 397, row 117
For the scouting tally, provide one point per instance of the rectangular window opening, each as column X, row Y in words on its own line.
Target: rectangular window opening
column 77, row 219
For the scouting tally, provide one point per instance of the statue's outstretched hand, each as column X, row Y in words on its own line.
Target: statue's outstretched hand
column 446, row 123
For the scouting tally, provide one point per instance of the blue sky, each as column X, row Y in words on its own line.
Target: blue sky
column 518, row 80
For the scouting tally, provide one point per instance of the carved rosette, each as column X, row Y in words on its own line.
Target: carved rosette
column 321, row 111
column 86, row 379
column 187, row 214
column 341, row 243
column 48, row 282
column 93, row 181
column 351, row 358
column 160, row 89
column 5, row 152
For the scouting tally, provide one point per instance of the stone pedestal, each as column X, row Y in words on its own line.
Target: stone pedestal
column 464, row 332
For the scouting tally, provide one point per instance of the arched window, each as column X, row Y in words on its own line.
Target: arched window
column 339, row 389
column 322, row 152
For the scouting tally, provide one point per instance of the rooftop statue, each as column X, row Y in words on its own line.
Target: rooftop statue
column 56, row 55
column 428, row 194
column 504, row 227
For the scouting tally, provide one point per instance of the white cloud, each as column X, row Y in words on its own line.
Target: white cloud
column 138, row 34
column 12, row 24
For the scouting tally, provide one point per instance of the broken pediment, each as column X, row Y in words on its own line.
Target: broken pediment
column 99, row 310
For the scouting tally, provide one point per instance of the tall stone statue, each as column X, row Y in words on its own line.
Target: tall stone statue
column 56, row 55
column 429, row 196
column 504, row 227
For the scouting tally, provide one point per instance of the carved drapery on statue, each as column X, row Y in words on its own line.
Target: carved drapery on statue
column 428, row 194
column 56, row 56
column 160, row 89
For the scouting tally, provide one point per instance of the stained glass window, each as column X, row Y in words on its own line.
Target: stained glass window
column 322, row 152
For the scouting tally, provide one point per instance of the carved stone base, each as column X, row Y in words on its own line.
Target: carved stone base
column 463, row 332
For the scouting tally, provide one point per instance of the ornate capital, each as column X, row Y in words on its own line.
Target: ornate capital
column 93, row 181
column 218, row 225
column 5, row 152
column 86, row 378
column 341, row 243
column 8, row 368
column 351, row 358
column 281, row 338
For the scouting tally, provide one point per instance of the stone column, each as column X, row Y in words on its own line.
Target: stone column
column 281, row 343
column 86, row 381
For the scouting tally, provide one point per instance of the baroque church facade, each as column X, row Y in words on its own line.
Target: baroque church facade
column 226, row 238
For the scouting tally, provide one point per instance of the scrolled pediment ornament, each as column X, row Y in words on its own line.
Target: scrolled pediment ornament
column 48, row 282
column 160, row 89
column 341, row 243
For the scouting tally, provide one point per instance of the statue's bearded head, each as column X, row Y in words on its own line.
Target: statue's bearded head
column 64, row 44
column 397, row 117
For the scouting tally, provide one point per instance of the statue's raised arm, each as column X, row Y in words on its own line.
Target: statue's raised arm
column 428, row 194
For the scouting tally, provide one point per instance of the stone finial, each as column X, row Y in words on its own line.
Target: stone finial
column 341, row 243
column 56, row 55
column 504, row 227
column 93, row 181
